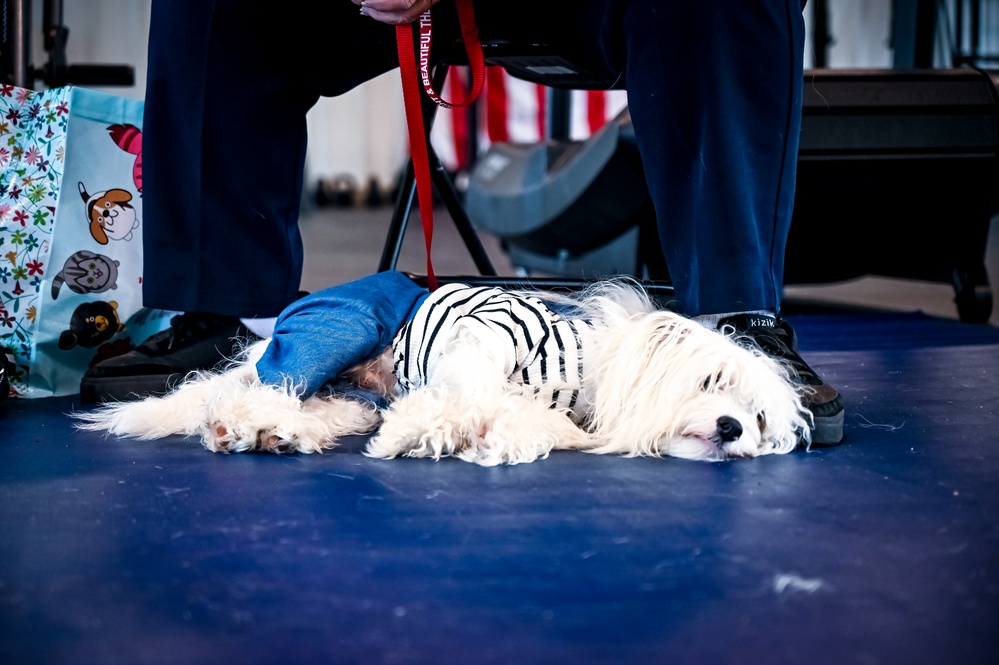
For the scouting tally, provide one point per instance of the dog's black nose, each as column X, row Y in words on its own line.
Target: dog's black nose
column 729, row 429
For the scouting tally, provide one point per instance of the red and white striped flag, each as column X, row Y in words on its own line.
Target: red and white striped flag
column 514, row 110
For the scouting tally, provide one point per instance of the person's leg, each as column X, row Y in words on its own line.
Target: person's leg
column 715, row 95
column 714, row 91
column 228, row 86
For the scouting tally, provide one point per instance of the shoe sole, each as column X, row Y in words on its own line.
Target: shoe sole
column 828, row 430
column 127, row 388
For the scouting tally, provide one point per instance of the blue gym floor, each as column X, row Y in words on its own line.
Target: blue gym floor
column 882, row 550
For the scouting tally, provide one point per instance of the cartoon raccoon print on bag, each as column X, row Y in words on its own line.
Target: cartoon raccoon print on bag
column 87, row 272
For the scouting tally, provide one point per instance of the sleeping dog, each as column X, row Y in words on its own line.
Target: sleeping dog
column 483, row 374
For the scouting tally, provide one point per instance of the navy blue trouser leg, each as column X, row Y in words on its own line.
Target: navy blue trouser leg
column 714, row 90
column 224, row 139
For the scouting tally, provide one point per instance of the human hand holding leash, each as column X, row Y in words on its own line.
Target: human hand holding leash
column 394, row 12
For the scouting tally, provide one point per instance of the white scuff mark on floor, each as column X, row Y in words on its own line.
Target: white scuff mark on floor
column 794, row 583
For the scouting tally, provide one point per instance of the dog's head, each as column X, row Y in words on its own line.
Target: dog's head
column 748, row 409
column 668, row 386
column 111, row 214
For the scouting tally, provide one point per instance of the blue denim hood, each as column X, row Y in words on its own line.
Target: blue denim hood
column 321, row 335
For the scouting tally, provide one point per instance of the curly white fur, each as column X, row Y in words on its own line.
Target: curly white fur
column 659, row 383
column 654, row 383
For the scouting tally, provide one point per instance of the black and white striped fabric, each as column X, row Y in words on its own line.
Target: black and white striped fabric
column 541, row 349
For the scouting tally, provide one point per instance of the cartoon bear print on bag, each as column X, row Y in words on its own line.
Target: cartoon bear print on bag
column 87, row 272
column 111, row 215
column 91, row 324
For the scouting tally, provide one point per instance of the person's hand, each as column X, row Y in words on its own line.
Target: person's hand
column 394, row 12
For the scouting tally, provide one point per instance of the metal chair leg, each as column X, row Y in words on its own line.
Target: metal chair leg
column 448, row 193
column 400, row 220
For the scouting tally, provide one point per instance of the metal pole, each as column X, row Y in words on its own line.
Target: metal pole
column 21, row 44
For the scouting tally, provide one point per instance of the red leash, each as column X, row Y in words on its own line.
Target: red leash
column 415, row 71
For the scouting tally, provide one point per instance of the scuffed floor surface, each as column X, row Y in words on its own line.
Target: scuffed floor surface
column 883, row 550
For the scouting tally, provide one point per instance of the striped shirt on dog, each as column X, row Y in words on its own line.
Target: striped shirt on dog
column 541, row 348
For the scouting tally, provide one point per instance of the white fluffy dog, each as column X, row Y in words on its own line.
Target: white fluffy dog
column 499, row 377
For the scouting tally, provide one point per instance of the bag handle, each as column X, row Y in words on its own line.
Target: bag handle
column 413, row 73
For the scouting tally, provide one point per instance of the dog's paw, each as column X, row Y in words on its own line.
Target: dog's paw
column 516, row 429
column 424, row 423
column 247, row 437
column 402, row 440
column 507, row 428
column 268, row 419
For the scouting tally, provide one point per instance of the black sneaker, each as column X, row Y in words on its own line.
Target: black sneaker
column 192, row 342
column 777, row 340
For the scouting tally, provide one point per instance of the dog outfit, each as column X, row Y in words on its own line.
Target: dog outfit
column 322, row 335
column 539, row 347
column 319, row 336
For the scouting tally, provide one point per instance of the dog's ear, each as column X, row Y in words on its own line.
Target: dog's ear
column 118, row 196
column 114, row 315
column 97, row 230
column 67, row 340
column 83, row 192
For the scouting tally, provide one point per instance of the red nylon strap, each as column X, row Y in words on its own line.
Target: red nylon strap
column 473, row 50
column 417, row 141
column 412, row 76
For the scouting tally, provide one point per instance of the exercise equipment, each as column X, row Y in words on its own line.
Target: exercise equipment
column 15, row 51
column 898, row 175
column 573, row 208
